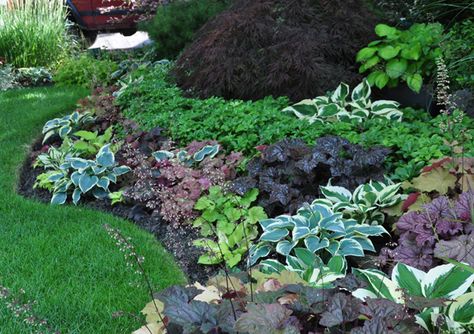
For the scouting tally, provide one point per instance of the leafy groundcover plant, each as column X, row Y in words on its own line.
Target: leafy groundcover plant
column 232, row 220
column 242, row 125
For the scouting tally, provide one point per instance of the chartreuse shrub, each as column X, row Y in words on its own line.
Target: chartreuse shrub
column 309, row 239
column 341, row 106
column 34, row 32
column 230, row 218
column 445, row 281
column 175, row 23
column 84, row 71
column 242, row 125
column 402, row 55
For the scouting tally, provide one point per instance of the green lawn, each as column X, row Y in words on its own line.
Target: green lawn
column 61, row 256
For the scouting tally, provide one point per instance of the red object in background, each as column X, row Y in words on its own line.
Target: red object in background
column 90, row 14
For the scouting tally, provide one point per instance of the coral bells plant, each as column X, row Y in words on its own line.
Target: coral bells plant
column 442, row 229
column 172, row 181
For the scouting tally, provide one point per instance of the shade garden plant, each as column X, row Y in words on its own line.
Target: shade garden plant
column 340, row 213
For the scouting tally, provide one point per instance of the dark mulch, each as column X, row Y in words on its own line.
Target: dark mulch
column 177, row 240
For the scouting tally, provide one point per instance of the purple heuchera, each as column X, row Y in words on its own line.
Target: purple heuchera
column 439, row 220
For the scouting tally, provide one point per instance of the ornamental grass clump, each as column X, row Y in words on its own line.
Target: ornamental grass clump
column 33, row 32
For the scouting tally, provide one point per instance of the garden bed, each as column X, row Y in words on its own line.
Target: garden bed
column 179, row 242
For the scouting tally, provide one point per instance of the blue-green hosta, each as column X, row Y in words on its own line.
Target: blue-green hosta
column 65, row 125
column 186, row 159
column 340, row 105
column 445, row 281
column 314, row 233
column 81, row 176
column 365, row 203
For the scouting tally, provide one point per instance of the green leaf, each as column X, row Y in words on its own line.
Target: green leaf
column 349, row 247
column 209, row 259
column 447, row 281
column 274, row 235
column 304, row 255
column 203, row 203
column 256, row 214
column 409, row 279
column 415, row 82
column 462, row 310
column 105, row 157
column 388, row 52
column 395, row 68
column 365, row 54
column 383, row 30
column 337, row 264
column 381, row 79
column 87, row 182
column 87, row 135
column 59, row 198
column 232, row 214
column 249, row 197
column 413, row 52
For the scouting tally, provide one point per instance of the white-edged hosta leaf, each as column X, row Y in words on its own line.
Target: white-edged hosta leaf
column 315, row 244
column 447, row 281
column 305, row 256
column 349, row 247
column 363, row 294
column 362, row 91
column 121, row 170
column 274, row 235
column 104, row 183
column 284, row 247
column 64, row 131
column 336, row 194
column 337, row 264
column 162, row 155
column 105, row 157
column 300, row 232
column 341, row 93
column 76, row 196
column 379, row 284
column 207, row 151
column 364, row 242
column 257, row 252
column 79, row 163
column 87, row 182
column 462, row 310
column 59, row 198
column 367, row 230
column 272, row 266
column 100, row 193
column 409, row 279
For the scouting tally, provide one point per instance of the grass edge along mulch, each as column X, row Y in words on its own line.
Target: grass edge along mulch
column 61, row 256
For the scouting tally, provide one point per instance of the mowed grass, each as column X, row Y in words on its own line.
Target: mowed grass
column 61, row 256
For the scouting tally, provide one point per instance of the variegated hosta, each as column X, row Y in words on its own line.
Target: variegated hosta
column 83, row 176
column 314, row 233
column 183, row 157
column 365, row 203
column 338, row 107
column 446, row 281
column 65, row 125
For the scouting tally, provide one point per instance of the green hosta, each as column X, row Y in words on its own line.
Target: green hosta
column 445, row 281
column 340, row 106
column 186, row 159
column 89, row 143
column 402, row 55
column 365, row 203
column 232, row 220
column 315, row 232
column 81, row 176
column 66, row 125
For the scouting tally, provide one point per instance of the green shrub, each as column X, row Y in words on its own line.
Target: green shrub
column 242, row 125
column 401, row 55
column 84, row 71
column 33, row 32
column 175, row 24
column 459, row 54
